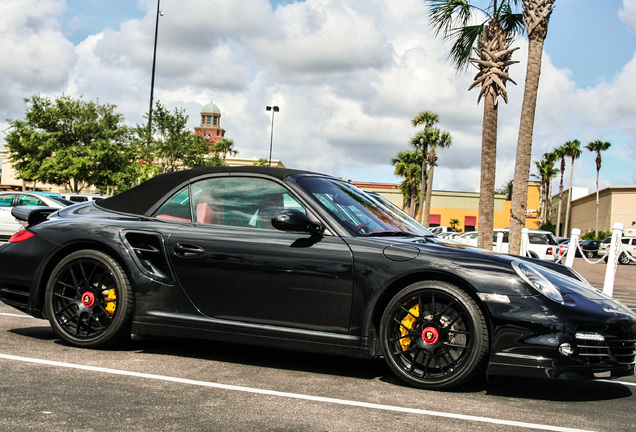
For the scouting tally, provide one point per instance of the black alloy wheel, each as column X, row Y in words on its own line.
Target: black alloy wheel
column 89, row 300
column 434, row 336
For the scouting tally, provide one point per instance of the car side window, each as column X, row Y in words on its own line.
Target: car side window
column 28, row 200
column 247, row 202
column 177, row 208
column 6, row 200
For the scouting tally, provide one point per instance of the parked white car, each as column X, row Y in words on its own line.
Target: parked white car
column 629, row 245
column 8, row 224
column 469, row 238
column 543, row 244
column 83, row 197
column 441, row 229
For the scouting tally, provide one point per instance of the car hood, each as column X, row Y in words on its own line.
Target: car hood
column 574, row 288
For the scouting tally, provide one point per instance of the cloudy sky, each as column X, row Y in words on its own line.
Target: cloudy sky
column 348, row 76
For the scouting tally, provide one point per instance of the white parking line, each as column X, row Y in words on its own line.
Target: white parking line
column 294, row 395
column 16, row 315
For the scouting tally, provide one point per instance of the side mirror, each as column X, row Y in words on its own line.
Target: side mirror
column 295, row 220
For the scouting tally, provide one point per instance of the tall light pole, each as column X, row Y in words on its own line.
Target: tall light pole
column 273, row 109
column 154, row 62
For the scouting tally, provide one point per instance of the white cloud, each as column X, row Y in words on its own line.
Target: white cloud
column 35, row 55
column 627, row 14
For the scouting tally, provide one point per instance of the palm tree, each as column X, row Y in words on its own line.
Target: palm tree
column 550, row 159
column 224, row 147
column 435, row 138
column 453, row 223
column 536, row 14
column 491, row 40
column 546, row 170
column 573, row 150
column 408, row 164
column 597, row 146
column 560, row 154
column 428, row 119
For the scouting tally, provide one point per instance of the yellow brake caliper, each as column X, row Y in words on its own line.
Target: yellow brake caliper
column 408, row 322
column 111, row 305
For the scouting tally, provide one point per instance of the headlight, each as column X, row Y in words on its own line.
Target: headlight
column 537, row 281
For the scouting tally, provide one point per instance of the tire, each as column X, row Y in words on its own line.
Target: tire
column 443, row 348
column 589, row 254
column 89, row 300
column 624, row 259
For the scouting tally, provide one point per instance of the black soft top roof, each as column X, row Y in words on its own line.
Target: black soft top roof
column 140, row 199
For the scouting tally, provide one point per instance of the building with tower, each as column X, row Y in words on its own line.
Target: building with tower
column 210, row 127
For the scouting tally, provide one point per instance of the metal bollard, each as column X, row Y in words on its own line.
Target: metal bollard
column 612, row 259
column 499, row 246
column 525, row 241
column 574, row 244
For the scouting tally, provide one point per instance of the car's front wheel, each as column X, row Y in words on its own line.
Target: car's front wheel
column 88, row 300
column 434, row 336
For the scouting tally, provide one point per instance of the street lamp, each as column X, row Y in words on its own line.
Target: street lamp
column 154, row 62
column 273, row 109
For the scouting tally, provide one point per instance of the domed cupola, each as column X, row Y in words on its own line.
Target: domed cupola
column 210, row 128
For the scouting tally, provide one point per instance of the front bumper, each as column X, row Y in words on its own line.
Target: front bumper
column 565, row 351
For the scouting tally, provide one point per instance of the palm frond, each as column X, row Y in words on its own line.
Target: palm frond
column 465, row 38
column 445, row 15
column 511, row 22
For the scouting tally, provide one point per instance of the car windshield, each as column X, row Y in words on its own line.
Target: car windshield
column 358, row 212
column 402, row 215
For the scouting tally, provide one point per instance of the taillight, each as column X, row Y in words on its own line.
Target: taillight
column 548, row 251
column 22, row 235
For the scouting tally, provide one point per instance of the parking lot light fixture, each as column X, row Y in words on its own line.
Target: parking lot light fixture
column 273, row 109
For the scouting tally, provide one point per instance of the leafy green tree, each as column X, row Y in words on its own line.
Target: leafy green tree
column 536, row 14
column 601, row 235
column 505, row 189
column 597, row 146
column 171, row 145
column 69, row 142
column 454, row 224
column 491, row 39
column 408, row 164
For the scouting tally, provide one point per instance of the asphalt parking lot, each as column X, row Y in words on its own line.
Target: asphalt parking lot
column 176, row 385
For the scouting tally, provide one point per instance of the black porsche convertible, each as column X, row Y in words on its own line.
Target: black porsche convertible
column 305, row 261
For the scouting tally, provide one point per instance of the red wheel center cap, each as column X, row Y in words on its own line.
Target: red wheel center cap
column 430, row 335
column 88, row 299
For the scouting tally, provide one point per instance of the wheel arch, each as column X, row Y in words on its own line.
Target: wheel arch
column 397, row 285
column 42, row 280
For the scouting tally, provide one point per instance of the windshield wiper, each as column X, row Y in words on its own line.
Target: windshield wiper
column 392, row 234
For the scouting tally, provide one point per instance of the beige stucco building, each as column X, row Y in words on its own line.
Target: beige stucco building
column 616, row 204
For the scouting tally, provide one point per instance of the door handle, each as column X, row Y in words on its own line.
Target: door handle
column 187, row 250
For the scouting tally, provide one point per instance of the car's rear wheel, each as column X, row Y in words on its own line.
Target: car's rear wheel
column 623, row 259
column 434, row 336
column 89, row 301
